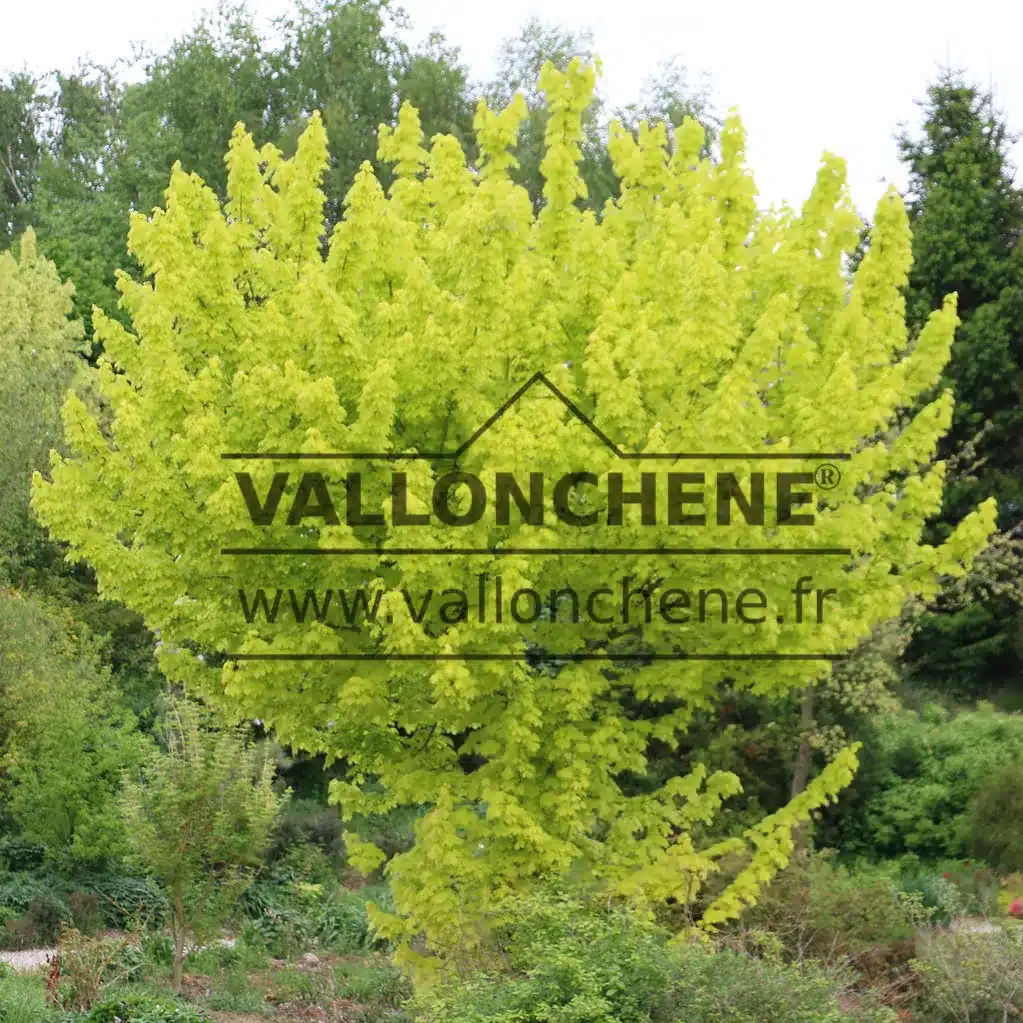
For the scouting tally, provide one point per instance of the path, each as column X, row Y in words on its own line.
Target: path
column 23, row 960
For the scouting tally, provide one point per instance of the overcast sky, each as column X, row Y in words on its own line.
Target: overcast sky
column 806, row 76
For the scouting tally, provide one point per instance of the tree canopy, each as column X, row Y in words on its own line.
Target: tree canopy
column 435, row 302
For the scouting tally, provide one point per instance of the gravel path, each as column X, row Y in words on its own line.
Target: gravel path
column 26, row 959
column 977, row 926
column 31, row 958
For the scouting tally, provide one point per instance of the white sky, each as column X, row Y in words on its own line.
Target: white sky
column 806, row 75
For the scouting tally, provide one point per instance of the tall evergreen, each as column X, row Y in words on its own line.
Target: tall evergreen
column 967, row 218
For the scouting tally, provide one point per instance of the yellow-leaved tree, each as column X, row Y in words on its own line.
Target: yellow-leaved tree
column 723, row 468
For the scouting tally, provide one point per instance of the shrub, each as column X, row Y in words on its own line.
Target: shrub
column 127, row 898
column 217, row 957
column 199, row 818
column 20, row 854
column 157, row 948
column 308, row 863
column 820, row 909
column 392, row 832
column 19, row 932
column 88, row 965
column 928, row 770
column 20, row 890
column 70, row 741
column 281, row 932
column 1011, row 893
column 373, row 983
column 948, row 888
column 311, row 823
column 971, row 975
column 129, row 962
column 994, row 820
column 731, row 987
column 343, row 923
column 49, row 914
column 142, row 1007
column 268, row 893
column 976, row 887
column 286, row 917
column 298, row 987
column 85, row 911
column 235, row 993
column 561, row 959
column 121, row 899
column 39, row 903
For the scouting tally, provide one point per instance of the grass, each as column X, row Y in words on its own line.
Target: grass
column 23, row 999
column 373, row 981
column 299, row 987
column 214, row 958
column 234, row 992
column 242, row 980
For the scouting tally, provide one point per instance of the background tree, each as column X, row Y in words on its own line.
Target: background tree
column 199, row 818
column 667, row 96
column 434, row 79
column 81, row 150
column 970, row 639
column 217, row 73
column 776, row 744
column 967, row 219
column 78, row 209
column 19, row 153
column 855, row 691
column 40, row 357
column 992, row 826
column 39, row 345
column 346, row 60
column 519, row 62
column 92, row 144
column 67, row 736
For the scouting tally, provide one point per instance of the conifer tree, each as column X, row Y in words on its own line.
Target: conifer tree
column 966, row 213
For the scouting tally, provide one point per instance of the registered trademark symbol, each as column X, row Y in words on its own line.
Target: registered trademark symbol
column 827, row 476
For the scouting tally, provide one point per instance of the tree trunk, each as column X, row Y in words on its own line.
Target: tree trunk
column 178, row 932
column 801, row 774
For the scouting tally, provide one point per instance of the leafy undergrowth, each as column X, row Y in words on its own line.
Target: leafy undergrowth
column 228, row 982
column 364, row 988
column 826, row 944
column 345, row 989
column 304, row 952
